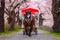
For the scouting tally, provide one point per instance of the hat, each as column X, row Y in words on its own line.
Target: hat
column 28, row 13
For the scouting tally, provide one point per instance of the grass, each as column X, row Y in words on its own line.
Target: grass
column 51, row 33
column 55, row 34
column 6, row 26
column 10, row 32
column 43, row 31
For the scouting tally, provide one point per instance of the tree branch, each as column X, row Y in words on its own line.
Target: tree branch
column 12, row 3
column 17, row 5
column 6, row 12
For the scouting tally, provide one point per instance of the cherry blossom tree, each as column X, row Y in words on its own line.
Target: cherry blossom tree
column 11, row 11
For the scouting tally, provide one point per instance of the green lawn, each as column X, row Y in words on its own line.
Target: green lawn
column 55, row 34
column 6, row 26
column 51, row 33
column 10, row 32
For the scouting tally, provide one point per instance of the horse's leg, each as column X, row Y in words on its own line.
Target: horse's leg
column 30, row 30
column 26, row 32
column 29, row 33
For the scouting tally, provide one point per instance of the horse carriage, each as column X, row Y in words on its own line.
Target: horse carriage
column 29, row 24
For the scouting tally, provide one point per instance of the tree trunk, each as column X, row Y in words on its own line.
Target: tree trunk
column 56, row 16
column 12, row 23
column 2, row 15
column 56, row 26
column 40, row 20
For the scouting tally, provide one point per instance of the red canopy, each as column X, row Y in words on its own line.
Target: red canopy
column 32, row 10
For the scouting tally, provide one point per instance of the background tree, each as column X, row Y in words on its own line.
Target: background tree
column 56, row 15
column 10, row 11
column 2, row 2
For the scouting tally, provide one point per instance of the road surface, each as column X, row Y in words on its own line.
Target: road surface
column 20, row 36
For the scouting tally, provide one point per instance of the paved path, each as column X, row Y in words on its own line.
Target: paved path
column 20, row 36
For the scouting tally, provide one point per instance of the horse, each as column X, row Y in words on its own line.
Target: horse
column 29, row 25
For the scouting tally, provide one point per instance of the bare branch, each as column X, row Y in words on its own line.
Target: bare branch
column 6, row 9
column 18, row 5
column 21, row 9
column 10, row 1
column 6, row 12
